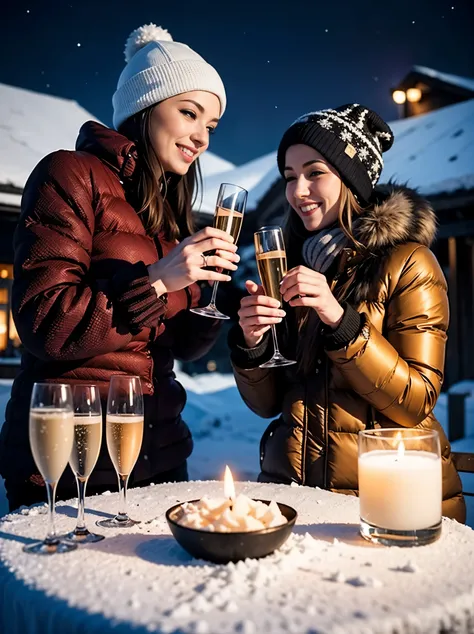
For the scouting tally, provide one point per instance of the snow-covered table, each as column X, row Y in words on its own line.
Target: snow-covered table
column 325, row 578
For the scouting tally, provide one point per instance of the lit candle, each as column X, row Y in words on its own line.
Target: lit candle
column 400, row 481
column 230, row 513
column 229, row 488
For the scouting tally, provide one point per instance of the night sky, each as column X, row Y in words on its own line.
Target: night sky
column 277, row 59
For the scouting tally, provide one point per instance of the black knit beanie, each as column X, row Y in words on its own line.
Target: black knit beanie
column 351, row 137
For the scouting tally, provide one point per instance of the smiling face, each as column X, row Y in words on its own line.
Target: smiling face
column 313, row 187
column 180, row 128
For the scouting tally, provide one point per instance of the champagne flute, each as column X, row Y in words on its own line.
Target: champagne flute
column 229, row 215
column 85, row 452
column 271, row 263
column 51, row 431
column 124, row 434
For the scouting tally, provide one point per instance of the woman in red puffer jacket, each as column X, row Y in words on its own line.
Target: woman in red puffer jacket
column 106, row 261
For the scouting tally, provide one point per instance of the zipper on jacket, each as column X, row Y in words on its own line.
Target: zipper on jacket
column 326, row 424
column 305, row 434
column 372, row 419
column 159, row 248
column 189, row 298
column 150, row 383
column 305, row 408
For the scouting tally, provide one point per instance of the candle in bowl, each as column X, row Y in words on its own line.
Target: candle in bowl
column 400, row 486
column 230, row 513
column 230, row 528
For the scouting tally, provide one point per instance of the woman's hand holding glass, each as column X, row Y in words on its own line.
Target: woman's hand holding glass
column 258, row 312
column 304, row 287
column 184, row 264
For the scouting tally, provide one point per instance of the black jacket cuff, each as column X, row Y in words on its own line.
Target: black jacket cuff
column 244, row 357
column 348, row 329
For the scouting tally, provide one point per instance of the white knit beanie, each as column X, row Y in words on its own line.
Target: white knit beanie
column 159, row 68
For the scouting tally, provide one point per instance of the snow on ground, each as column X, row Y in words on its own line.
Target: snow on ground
column 226, row 432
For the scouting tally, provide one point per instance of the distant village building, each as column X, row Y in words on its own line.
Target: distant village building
column 424, row 90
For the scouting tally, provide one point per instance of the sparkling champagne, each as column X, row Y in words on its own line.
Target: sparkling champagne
column 86, row 445
column 272, row 269
column 229, row 221
column 124, row 434
column 51, row 439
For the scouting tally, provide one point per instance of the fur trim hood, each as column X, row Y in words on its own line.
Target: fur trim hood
column 397, row 215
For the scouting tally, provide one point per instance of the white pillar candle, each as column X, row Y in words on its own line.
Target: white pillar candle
column 400, row 490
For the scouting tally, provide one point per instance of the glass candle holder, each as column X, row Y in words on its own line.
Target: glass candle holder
column 400, row 486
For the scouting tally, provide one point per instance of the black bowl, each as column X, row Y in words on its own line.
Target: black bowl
column 221, row 548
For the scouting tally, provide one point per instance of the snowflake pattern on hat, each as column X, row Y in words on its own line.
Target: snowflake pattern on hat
column 352, row 138
column 360, row 127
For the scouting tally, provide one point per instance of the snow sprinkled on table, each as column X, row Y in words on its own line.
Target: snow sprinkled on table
column 324, row 579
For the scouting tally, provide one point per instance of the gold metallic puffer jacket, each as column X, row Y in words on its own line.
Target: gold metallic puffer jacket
column 390, row 375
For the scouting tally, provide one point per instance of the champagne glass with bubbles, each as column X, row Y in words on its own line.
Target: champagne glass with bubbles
column 85, row 452
column 271, row 263
column 229, row 215
column 51, row 431
column 124, row 434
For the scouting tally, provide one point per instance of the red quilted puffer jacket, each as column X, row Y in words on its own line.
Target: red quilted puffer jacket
column 84, row 307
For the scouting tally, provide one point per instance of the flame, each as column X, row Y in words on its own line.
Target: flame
column 229, row 489
column 400, row 445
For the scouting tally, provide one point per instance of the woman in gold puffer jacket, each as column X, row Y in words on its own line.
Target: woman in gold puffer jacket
column 367, row 310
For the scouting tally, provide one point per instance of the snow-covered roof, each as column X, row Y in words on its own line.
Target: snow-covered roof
column 33, row 124
column 256, row 177
column 455, row 80
column 12, row 200
column 433, row 152
column 212, row 164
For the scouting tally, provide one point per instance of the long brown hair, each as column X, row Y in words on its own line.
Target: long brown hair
column 295, row 234
column 165, row 202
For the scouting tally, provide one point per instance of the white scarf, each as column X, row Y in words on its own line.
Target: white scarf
column 321, row 249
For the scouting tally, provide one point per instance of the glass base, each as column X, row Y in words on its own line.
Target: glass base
column 82, row 537
column 119, row 521
column 209, row 311
column 49, row 547
column 277, row 361
column 389, row 537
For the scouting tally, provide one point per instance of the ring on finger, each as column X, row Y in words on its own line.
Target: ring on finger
column 204, row 260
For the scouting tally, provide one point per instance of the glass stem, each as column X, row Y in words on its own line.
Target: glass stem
column 51, row 537
column 81, row 496
column 123, row 482
column 275, row 342
column 214, row 294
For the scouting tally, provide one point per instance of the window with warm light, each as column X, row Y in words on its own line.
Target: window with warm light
column 6, row 271
column 414, row 95
column 14, row 337
column 9, row 339
column 3, row 329
column 399, row 97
